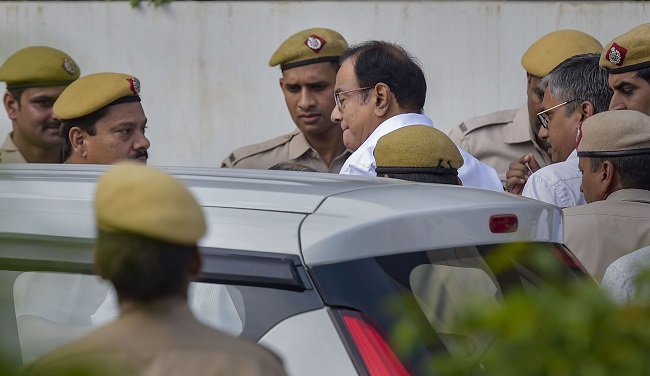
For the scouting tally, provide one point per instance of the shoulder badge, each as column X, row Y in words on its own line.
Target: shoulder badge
column 616, row 54
column 315, row 42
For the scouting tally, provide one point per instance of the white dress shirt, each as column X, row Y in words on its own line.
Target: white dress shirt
column 557, row 184
column 473, row 172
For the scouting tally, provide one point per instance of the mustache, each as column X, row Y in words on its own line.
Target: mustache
column 51, row 124
column 140, row 153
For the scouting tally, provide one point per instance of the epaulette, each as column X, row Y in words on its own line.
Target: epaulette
column 498, row 117
column 249, row 150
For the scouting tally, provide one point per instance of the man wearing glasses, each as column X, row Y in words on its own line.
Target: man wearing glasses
column 574, row 90
column 309, row 61
column 380, row 88
column 627, row 60
column 501, row 137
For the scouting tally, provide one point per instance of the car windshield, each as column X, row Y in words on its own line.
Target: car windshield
column 429, row 290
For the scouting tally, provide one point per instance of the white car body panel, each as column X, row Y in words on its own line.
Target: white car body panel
column 312, row 340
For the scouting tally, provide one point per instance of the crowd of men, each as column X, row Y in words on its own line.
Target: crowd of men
column 582, row 142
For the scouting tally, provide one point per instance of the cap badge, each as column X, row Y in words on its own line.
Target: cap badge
column 616, row 54
column 315, row 42
column 579, row 135
column 135, row 85
column 69, row 66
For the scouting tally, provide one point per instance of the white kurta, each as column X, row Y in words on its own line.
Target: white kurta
column 473, row 172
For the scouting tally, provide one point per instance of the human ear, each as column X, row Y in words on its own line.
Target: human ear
column 12, row 106
column 77, row 139
column 382, row 99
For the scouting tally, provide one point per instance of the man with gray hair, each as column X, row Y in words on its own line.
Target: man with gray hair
column 574, row 90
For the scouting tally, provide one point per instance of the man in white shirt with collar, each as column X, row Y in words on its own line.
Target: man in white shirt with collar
column 380, row 88
column 574, row 90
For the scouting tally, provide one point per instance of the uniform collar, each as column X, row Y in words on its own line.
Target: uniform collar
column 299, row 145
column 520, row 131
column 629, row 194
column 9, row 152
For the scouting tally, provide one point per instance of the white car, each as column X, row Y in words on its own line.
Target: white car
column 320, row 268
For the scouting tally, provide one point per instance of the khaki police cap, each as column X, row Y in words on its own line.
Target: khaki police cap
column 136, row 199
column 553, row 48
column 614, row 134
column 628, row 52
column 308, row 47
column 417, row 148
column 38, row 66
column 90, row 93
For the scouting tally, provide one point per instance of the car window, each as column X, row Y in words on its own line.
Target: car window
column 53, row 309
column 428, row 290
column 242, row 293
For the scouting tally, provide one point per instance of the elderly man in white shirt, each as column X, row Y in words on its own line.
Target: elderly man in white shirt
column 574, row 90
column 380, row 88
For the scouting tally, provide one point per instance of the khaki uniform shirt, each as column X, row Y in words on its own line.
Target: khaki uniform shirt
column 600, row 232
column 9, row 152
column 165, row 340
column 292, row 147
column 499, row 138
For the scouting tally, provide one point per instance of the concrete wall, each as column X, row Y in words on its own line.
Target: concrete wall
column 206, row 85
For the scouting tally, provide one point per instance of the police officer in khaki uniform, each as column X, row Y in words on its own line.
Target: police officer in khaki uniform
column 614, row 152
column 35, row 78
column 627, row 60
column 418, row 153
column 148, row 228
column 502, row 137
column 309, row 61
column 102, row 120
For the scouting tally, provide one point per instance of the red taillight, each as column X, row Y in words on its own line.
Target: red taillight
column 503, row 223
column 568, row 259
column 366, row 340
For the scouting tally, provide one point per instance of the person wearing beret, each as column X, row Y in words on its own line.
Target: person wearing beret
column 102, row 120
column 381, row 88
column 149, row 256
column 614, row 155
column 502, row 137
column 418, row 153
column 35, row 77
column 309, row 61
column 574, row 90
column 627, row 60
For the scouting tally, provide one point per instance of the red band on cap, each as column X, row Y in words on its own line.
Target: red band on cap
column 616, row 54
column 579, row 135
column 315, row 43
column 134, row 85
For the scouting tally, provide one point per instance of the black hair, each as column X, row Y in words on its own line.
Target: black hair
column 633, row 171
column 391, row 64
column 86, row 123
column 142, row 269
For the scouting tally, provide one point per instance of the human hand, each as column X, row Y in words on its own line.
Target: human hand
column 518, row 173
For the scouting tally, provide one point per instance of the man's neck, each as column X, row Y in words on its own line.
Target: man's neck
column 328, row 145
column 34, row 154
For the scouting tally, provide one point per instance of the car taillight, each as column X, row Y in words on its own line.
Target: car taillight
column 363, row 338
column 568, row 259
column 503, row 223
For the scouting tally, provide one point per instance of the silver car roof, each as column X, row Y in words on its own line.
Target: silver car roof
column 324, row 218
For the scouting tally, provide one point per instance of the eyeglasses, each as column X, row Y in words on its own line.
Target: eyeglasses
column 337, row 97
column 543, row 117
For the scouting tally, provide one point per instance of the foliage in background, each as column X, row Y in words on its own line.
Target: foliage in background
column 559, row 328
column 157, row 3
